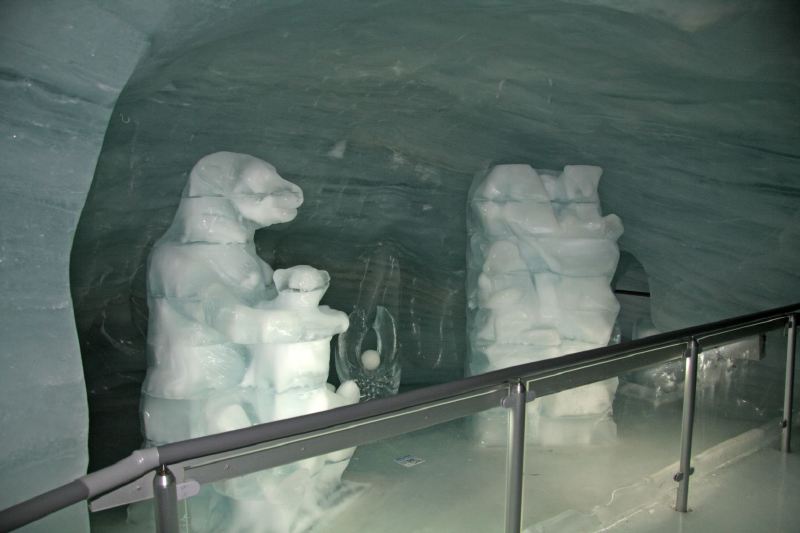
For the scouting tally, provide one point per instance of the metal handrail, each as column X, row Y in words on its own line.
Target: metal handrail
column 275, row 443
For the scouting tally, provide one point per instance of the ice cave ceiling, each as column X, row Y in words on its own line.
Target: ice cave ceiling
column 384, row 113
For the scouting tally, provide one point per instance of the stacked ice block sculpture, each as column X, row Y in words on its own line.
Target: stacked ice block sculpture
column 232, row 344
column 540, row 261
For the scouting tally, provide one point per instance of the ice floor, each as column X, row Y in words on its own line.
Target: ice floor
column 742, row 483
column 758, row 493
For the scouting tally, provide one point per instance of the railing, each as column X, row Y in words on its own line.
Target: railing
column 175, row 471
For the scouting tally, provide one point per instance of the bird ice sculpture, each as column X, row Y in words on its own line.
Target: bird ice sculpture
column 232, row 343
column 540, row 261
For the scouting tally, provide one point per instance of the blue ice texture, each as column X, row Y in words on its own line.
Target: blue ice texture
column 382, row 113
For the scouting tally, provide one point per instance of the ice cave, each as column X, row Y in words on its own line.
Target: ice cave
column 225, row 215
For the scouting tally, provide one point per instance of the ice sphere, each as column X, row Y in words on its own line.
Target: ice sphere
column 232, row 343
column 541, row 257
column 370, row 359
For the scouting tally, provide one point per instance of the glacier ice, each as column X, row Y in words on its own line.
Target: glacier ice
column 689, row 106
column 676, row 118
column 232, row 343
column 540, row 262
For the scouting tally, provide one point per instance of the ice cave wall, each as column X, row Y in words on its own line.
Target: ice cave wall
column 383, row 113
column 62, row 67
column 58, row 84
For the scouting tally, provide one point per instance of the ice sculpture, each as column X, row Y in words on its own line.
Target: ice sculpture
column 232, row 344
column 367, row 352
column 540, row 261
column 376, row 371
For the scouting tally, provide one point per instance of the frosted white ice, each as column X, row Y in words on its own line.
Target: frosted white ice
column 232, row 343
column 540, row 259
column 371, row 359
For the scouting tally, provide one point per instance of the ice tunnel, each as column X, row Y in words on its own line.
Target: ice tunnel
column 383, row 113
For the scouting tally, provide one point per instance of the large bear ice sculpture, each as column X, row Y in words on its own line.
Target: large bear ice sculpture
column 232, row 343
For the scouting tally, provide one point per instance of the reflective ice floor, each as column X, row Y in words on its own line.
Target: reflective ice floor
column 757, row 493
column 442, row 480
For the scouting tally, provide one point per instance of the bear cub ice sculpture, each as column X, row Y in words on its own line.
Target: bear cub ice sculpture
column 232, row 343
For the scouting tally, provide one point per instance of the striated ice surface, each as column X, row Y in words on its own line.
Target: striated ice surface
column 383, row 113
column 232, row 344
column 58, row 87
column 540, row 261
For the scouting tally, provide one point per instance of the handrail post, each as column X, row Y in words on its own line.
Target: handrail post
column 687, row 426
column 788, row 391
column 515, row 402
column 165, row 494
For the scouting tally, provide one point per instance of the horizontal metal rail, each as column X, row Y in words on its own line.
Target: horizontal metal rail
column 233, row 453
column 227, row 465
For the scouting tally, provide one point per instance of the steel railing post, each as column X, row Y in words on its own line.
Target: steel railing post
column 516, row 456
column 165, row 494
column 788, row 391
column 687, row 426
